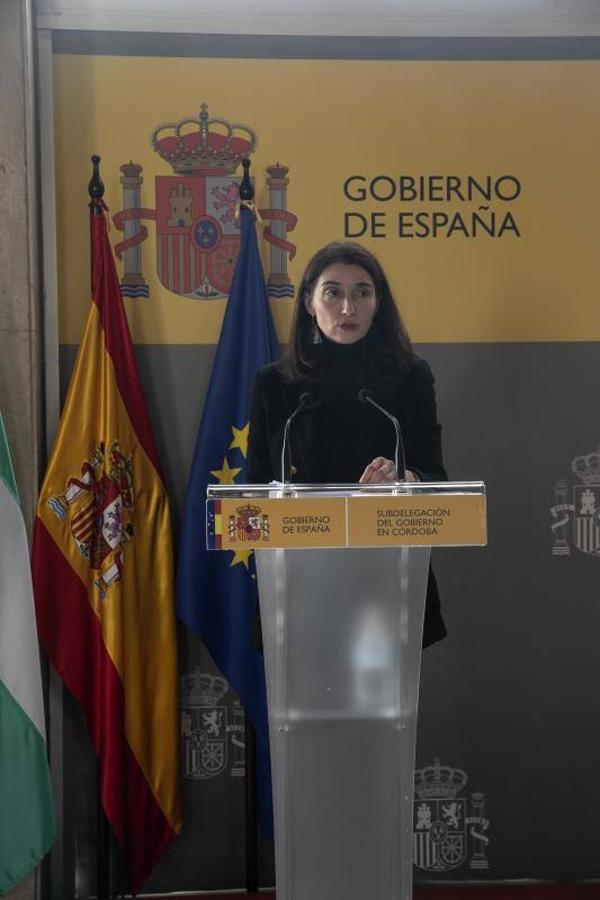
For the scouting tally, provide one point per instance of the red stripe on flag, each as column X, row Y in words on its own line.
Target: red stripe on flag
column 86, row 515
column 106, row 293
column 71, row 635
column 82, row 525
column 87, row 512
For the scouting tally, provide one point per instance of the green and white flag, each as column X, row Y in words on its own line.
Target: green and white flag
column 27, row 823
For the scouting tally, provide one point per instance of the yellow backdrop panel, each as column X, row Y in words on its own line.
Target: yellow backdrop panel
column 536, row 279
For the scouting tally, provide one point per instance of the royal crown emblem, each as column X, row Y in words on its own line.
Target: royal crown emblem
column 439, row 781
column 441, row 819
column 195, row 144
column 202, row 689
column 197, row 230
column 588, row 467
column 578, row 522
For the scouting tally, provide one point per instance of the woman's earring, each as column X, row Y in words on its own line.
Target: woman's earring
column 316, row 335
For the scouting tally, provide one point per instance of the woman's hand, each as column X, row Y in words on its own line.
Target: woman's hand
column 383, row 470
column 379, row 471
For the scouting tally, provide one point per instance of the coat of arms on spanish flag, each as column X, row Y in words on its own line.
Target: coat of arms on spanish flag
column 103, row 577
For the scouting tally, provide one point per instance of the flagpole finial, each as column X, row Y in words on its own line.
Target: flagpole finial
column 96, row 188
column 246, row 189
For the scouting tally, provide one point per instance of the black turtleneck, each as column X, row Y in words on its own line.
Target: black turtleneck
column 350, row 433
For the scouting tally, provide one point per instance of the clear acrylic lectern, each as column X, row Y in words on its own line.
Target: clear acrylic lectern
column 342, row 629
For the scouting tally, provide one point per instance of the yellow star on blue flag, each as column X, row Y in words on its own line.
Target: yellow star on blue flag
column 240, row 439
column 226, row 474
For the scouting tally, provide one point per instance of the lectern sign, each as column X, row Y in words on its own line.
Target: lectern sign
column 425, row 520
column 255, row 521
column 262, row 524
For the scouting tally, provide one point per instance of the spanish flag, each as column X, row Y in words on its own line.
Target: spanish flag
column 103, row 577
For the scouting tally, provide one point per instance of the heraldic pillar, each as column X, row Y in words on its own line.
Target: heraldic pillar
column 278, row 282
column 133, row 283
column 342, row 597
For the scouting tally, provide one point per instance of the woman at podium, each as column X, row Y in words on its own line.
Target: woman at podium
column 349, row 370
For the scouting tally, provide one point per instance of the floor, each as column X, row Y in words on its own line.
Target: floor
column 446, row 892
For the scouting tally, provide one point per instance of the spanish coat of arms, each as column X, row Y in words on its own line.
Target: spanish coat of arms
column 99, row 505
column 248, row 524
column 443, row 823
column 207, row 735
column 579, row 520
column 197, row 230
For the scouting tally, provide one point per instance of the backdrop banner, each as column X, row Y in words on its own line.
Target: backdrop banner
column 475, row 182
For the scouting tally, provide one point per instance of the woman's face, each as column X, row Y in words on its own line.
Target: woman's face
column 343, row 302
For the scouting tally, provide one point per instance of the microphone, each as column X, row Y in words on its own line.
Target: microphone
column 306, row 401
column 365, row 396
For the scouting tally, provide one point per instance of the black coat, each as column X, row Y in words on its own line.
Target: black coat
column 362, row 433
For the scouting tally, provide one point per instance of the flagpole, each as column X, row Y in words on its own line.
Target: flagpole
column 246, row 200
column 96, row 189
column 96, row 205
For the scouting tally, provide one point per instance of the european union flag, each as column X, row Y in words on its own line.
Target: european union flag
column 215, row 590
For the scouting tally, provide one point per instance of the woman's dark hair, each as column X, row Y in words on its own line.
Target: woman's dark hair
column 387, row 344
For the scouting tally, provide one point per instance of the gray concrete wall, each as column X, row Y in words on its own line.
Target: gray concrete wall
column 19, row 296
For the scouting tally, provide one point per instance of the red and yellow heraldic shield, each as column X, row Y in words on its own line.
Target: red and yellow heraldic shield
column 103, row 577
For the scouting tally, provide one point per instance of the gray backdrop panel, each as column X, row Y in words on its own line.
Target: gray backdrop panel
column 509, row 699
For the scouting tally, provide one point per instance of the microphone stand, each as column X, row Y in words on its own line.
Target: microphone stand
column 366, row 396
column 307, row 401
